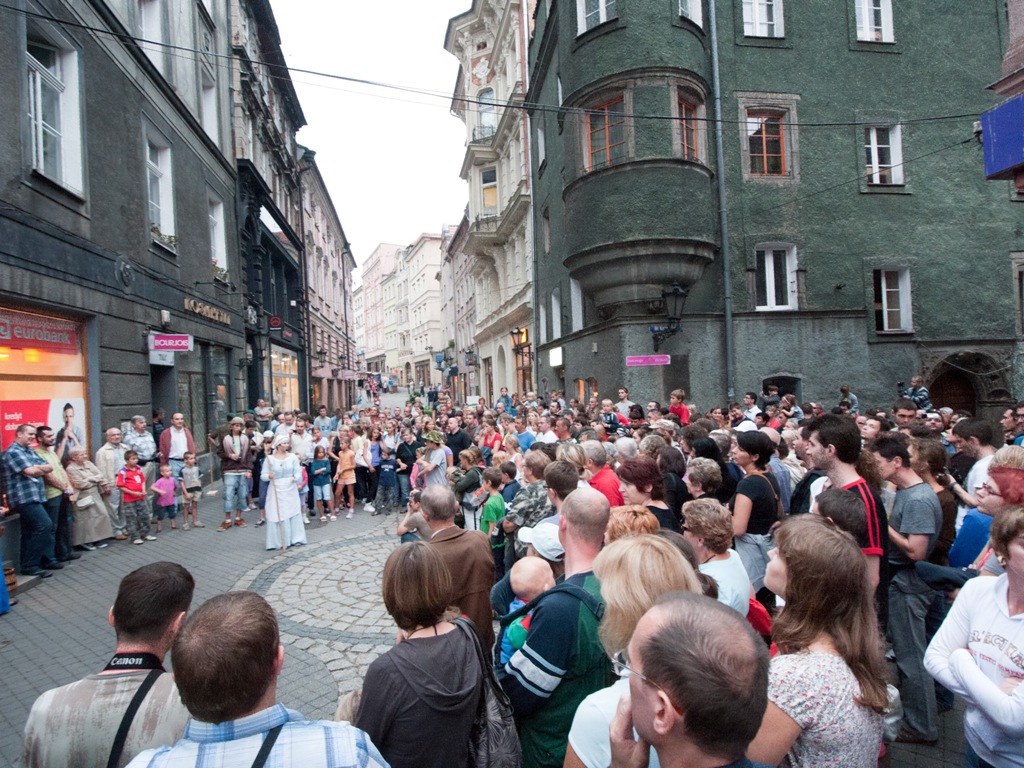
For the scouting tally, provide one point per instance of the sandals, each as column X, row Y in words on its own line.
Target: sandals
column 323, row 518
column 225, row 526
column 240, row 523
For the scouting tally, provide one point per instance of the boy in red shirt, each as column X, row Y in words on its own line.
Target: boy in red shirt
column 132, row 482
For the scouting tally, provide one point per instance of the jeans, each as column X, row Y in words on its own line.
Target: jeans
column 387, row 498
column 908, row 611
column 264, row 485
column 65, row 525
column 236, row 488
column 55, row 509
column 176, row 466
column 361, row 482
column 37, row 530
column 372, row 478
column 404, row 488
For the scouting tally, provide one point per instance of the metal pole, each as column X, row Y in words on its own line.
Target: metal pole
column 723, row 213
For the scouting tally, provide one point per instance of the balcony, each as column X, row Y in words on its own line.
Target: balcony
column 483, row 233
column 483, row 133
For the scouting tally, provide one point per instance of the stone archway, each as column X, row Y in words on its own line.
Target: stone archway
column 953, row 388
column 978, row 381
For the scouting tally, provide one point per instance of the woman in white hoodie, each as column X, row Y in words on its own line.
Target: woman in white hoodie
column 978, row 652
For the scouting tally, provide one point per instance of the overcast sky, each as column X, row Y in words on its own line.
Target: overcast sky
column 391, row 160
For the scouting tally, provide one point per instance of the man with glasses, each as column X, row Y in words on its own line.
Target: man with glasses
column 1018, row 423
column 698, row 686
column 23, row 473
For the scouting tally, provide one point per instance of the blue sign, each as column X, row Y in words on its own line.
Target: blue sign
column 1003, row 138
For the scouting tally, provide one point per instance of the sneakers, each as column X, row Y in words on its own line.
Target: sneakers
column 151, row 537
column 197, row 524
column 261, row 522
column 88, row 547
column 137, row 541
column 369, row 508
column 101, row 545
column 333, row 518
column 184, row 526
column 349, row 515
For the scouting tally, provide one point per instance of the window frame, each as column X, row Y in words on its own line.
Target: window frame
column 488, row 185
column 603, row 15
column 598, row 111
column 149, row 23
column 218, row 237
column 688, row 114
column 904, row 290
column 762, row 116
column 784, row 104
column 884, row 33
column 162, row 232
column 755, row 24
column 873, row 168
column 693, row 11
column 69, row 170
column 487, row 113
column 762, row 253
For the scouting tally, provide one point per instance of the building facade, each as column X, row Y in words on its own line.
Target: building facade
column 458, row 310
column 329, row 267
column 379, row 263
column 421, row 262
column 490, row 42
column 834, row 220
column 116, row 217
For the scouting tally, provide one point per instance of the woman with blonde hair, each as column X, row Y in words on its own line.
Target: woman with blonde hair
column 574, row 454
column 634, row 572
column 826, row 688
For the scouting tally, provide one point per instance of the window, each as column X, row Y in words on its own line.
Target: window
column 159, row 190
column 576, row 303
column 883, row 155
column 558, row 84
column 208, row 106
column 874, row 21
column 762, row 18
column 775, row 284
column 766, row 142
column 489, row 188
column 606, row 134
column 488, row 115
column 688, row 128
column 691, row 9
column 54, row 115
column 541, row 148
column 892, row 300
column 590, row 13
column 556, row 313
column 151, row 30
column 545, row 229
column 218, row 244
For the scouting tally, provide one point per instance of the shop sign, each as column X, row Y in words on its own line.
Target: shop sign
column 170, row 342
column 157, row 357
column 274, row 322
column 633, row 361
column 205, row 310
column 21, row 330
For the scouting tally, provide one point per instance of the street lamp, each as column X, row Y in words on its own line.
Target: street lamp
column 674, row 298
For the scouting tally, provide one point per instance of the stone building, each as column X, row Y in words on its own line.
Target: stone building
column 490, row 42
column 379, row 263
column 421, row 262
column 117, row 216
column 458, row 312
column 832, row 208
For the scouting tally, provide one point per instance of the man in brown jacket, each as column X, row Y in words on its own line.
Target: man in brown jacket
column 468, row 555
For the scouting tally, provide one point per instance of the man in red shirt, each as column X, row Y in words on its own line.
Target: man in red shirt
column 601, row 476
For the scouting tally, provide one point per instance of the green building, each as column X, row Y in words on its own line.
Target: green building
column 863, row 243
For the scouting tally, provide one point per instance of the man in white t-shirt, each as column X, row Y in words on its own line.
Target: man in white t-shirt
column 434, row 465
column 974, row 438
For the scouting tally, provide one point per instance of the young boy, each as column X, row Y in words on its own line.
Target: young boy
column 322, row 494
column 678, row 407
column 509, row 485
column 530, row 577
column 387, row 485
column 164, row 487
column 191, row 490
column 132, row 482
column 491, row 517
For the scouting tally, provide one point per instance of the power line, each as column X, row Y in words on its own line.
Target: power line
column 274, row 69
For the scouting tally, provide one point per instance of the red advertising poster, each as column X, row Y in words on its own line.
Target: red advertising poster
column 21, row 330
column 66, row 417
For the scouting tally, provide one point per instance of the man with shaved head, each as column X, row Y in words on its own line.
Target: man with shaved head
column 562, row 661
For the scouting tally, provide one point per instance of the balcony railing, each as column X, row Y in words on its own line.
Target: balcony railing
column 484, row 132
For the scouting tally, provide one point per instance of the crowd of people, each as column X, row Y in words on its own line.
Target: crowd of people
column 761, row 583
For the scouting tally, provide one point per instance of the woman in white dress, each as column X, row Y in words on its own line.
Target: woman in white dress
column 284, row 511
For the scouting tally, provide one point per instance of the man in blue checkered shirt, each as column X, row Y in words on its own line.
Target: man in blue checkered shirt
column 23, row 472
column 227, row 658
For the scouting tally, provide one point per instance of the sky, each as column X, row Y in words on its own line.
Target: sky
column 390, row 159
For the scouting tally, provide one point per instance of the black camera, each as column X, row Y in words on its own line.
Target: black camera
column 900, row 385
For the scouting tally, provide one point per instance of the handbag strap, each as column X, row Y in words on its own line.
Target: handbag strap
column 129, row 716
column 268, row 744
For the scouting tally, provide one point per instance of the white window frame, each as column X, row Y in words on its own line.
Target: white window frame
column 606, row 9
column 874, row 21
column 66, row 134
column 556, row 313
column 149, row 19
column 541, row 146
column 576, row 304
column 218, row 236
column 902, row 290
column 558, row 84
column 159, row 171
column 692, row 10
column 485, row 185
column 487, row 113
column 874, row 168
column 209, row 107
column 764, row 262
column 763, row 18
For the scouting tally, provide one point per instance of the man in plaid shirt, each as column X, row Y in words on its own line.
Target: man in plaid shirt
column 23, row 472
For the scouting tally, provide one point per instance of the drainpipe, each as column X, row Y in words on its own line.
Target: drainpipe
column 723, row 213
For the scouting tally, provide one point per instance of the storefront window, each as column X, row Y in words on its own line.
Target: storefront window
column 42, row 376
column 219, row 384
column 192, row 394
column 284, row 367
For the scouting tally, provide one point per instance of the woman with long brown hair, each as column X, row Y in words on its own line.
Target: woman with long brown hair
column 826, row 689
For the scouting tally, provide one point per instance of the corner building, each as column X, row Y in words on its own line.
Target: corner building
column 855, row 218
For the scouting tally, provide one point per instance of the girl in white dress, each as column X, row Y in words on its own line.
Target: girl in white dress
column 284, row 511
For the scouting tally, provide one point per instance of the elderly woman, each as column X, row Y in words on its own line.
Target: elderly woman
column 420, row 699
column 92, row 520
column 976, row 652
column 634, row 572
column 703, row 478
column 284, row 510
column 708, row 527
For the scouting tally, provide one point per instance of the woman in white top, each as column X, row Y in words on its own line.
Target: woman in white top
column 634, row 572
column 826, row 688
column 707, row 525
column 284, row 511
column 977, row 652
